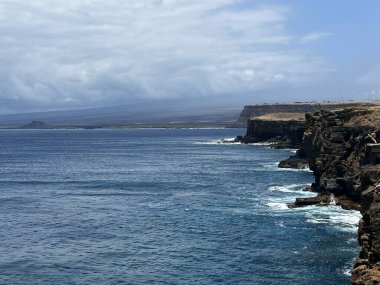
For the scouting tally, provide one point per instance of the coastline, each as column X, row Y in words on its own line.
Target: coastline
column 334, row 146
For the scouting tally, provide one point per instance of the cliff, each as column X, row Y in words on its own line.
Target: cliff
column 367, row 266
column 283, row 130
column 334, row 142
column 338, row 147
column 250, row 111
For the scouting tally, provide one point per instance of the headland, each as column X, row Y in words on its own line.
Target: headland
column 340, row 148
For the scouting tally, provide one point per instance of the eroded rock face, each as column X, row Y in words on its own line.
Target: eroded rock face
column 367, row 267
column 294, row 162
column 335, row 144
column 336, row 151
column 280, row 133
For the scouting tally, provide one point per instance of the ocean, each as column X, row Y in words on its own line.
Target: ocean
column 162, row 206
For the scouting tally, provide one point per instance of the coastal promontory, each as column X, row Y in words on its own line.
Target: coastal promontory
column 340, row 146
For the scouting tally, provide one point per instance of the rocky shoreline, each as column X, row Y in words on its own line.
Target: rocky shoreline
column 335, row 145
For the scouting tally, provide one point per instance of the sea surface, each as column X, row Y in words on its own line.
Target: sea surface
column 161, row 206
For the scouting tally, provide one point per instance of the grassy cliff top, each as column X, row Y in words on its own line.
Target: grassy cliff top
column 369, row 116
column 281, row 117
column 322, row 103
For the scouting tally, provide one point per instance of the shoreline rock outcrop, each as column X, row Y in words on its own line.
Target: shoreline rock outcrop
column 280, row 130
column 337, row 145
column 367, row 267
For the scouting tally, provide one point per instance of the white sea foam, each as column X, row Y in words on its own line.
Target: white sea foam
column 280, row 224
column 289, row 193
column 206, row 128
column 292, row 188
column 214, row 142
column 347, row 271
column 225, row 141
column 262, row 143
column 344, row 220
column 307, row 169
column 279, row 206
column 352, row 240
column 228, row 140
column 273, row 166
column 338, row 218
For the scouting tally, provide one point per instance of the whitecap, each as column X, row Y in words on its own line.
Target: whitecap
column 228, row 140
column 262, row 143
column 347, row 271
column 306, row 169
column 340, row 219
column 205, row 128
column 225, row 141
column 273, row 166
column 352, row 240
column 279, row 206
column 280, row 224
column 292, row 188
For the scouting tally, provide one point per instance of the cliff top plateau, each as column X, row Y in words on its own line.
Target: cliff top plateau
column 250, row 111
column 281, row 117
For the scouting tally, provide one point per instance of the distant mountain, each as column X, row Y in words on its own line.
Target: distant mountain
column 173, row 113
column 36, row 125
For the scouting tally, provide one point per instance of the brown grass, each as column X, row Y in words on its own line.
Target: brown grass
column 281, row 117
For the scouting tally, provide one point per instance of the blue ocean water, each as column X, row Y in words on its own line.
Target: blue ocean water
column 161, row 206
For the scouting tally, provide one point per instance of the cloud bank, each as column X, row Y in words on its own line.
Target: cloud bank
column 75, row 53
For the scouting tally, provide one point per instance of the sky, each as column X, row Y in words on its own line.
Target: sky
column 58, row 55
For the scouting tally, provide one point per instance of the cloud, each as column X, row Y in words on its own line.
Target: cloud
column 312, row 37
column 72, row 53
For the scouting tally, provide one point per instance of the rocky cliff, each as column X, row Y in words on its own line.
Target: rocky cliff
column 284, row 130
column 338, row 147
column 367, row 266
column 335, row 145
column 250, row 111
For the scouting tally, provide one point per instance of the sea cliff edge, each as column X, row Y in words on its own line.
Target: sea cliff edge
column 340, row 148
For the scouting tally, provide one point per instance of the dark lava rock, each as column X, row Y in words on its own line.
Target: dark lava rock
column 334, row 142
column 319, row 199
column 294, row 162
column 367, row 266
column 280, row 133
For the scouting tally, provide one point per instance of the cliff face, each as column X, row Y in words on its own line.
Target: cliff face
column 336, row 149
column 250, row 111
column 336, row 144
column 282, row 131
column 367, row 267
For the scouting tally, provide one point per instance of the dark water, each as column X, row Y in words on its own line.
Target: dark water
column 161, row 207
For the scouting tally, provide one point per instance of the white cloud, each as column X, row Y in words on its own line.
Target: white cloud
column 312, row 37
column 87, row 52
